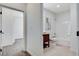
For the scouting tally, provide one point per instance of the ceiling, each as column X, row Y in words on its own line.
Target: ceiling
column 57, row 7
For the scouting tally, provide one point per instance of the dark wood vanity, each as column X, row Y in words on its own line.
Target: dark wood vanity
column 45, row 40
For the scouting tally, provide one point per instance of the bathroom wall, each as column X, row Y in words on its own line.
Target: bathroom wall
column 52, row 21
column 74, row 27
column 63, row 28
column 78, row 26
column 34, row 29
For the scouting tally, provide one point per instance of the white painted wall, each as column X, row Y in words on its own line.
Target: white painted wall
column 34, row 29
column 51, row 16
column 72, row 25
column 63, row 28
column 78, row 25
column 74, row 39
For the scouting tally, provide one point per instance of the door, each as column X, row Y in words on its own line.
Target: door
column 0, row 29
column 12, row 26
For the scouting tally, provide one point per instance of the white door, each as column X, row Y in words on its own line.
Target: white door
column 0, row 28
column 12, row 26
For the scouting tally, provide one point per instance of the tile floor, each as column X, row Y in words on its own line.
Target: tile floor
column 58, row 50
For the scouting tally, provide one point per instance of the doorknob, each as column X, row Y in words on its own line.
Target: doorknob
column 0, row 50
column 1, row 32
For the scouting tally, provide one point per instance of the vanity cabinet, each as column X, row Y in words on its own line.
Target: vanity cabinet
column 45, row 40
